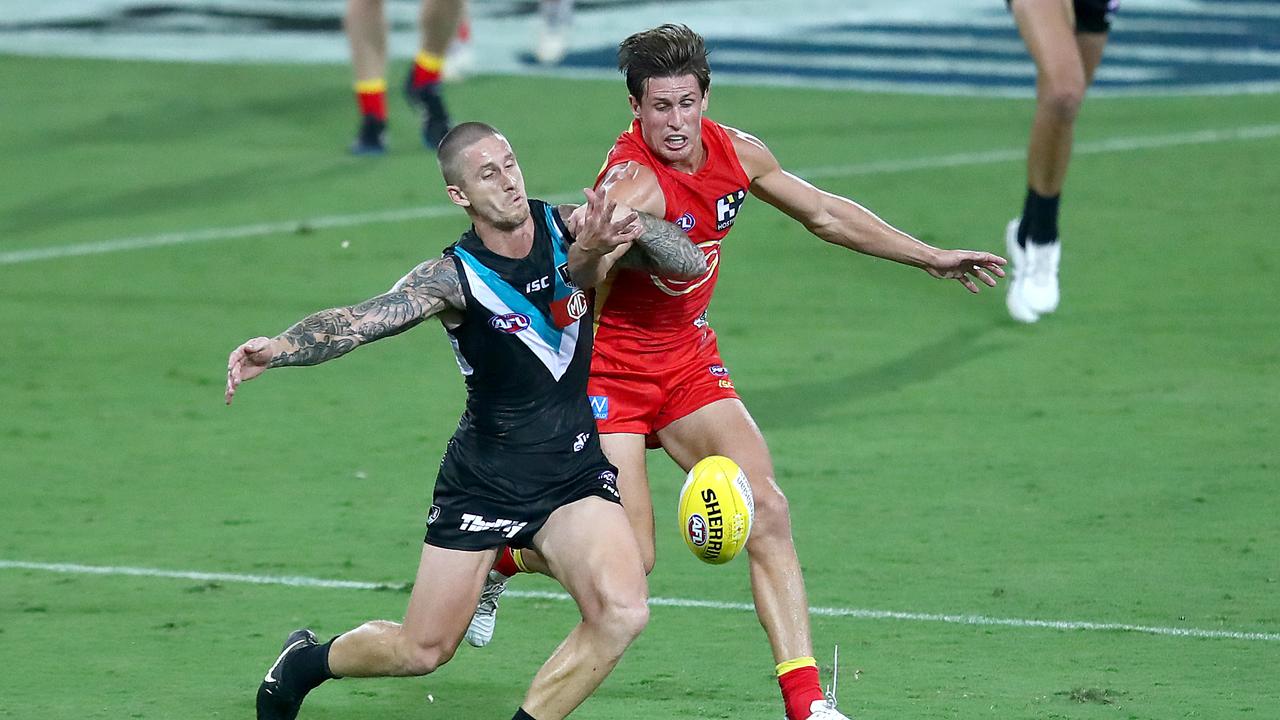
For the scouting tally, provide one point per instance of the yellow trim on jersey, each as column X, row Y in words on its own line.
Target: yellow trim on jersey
column 368, row 87
column 429, row 62
column 800, row 662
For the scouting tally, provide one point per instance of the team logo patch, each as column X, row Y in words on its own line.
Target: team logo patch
column 581, row 441
column 718, row 370
column 434, row 515
column 697, row 530
column 563, row 270
column 727, row 208
column 686, row 222
column 599, row 406
column 726, row 383
column 511, row 323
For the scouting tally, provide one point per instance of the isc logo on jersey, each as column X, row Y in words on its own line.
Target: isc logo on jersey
column 716, row 510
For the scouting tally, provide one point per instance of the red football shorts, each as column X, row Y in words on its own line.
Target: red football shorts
column 643, row 392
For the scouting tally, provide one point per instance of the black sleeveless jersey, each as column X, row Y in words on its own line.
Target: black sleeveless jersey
column 524, row 346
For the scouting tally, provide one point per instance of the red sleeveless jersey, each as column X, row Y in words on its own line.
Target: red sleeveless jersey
column 637, row 311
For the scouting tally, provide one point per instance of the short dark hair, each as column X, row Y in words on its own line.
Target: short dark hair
column 454, row 142
column 665, row 51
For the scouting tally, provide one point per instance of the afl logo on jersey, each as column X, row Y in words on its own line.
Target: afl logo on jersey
column 686, row 222
column 511, row 323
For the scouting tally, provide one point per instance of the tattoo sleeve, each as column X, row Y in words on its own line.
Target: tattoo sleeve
column 664, row 249
column 432, row 287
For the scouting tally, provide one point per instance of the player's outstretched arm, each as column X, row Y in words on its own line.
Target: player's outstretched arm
column 843, row 222
column 429, row 289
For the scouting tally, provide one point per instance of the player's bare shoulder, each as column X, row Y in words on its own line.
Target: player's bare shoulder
column 754, row 156
column 635, row 185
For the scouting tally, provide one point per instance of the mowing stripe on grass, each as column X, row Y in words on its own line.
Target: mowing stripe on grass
column 955, row 619
column 1097, row 147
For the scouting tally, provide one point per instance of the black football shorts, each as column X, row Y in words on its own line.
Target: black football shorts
column 1092, row 16
column 489, row 500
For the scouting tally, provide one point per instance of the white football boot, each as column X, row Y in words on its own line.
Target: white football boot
column 1015, row 299
column 480, row 631
column 1040, row 282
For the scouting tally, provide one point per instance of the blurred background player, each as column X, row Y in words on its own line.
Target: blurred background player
column 657, row 379
column 366, row 26
column 1065, row 38
column 554, row 19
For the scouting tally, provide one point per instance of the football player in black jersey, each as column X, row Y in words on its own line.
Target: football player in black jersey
column 509, row 293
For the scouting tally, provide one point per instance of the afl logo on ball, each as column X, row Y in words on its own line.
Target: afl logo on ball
column 697, row 530
column 511, row 323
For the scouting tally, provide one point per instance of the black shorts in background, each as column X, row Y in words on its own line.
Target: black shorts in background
column 1092, row 16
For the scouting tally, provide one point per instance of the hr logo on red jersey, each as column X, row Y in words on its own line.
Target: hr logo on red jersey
column 511, row 323
column 686, row 222
column 727, row 208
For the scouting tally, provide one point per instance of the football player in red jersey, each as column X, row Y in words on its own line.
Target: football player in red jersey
column 656, row 375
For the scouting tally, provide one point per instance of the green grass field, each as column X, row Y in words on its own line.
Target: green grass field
column 1116, row 463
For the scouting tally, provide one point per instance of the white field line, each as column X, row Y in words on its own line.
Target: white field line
column 863, row 614
column 1113, row 145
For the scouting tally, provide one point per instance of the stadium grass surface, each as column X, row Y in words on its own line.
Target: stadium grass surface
column 1115, row 463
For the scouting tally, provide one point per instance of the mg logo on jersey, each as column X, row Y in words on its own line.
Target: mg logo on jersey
column 511, row 323
column 686, row 222
column 727, row 208
column 476, row 523
column 566, row 311
column 577, row 305
column 599, row 406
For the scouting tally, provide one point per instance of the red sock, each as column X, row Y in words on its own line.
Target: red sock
column 371, row 96
column 426, row 69
column 800, row 688
column 506, row 563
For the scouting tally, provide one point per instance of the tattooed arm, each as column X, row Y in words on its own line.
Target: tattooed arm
column 663, row 249
column 429, row 289
column 649, row 243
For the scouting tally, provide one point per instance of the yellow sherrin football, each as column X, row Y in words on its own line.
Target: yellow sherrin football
column 716, row 510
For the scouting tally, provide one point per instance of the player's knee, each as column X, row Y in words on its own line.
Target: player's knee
column 773, row 514
column 1062, row 100
column 425, row 658
column 623, row 618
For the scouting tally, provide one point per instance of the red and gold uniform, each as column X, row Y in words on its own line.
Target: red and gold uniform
column 655, row 357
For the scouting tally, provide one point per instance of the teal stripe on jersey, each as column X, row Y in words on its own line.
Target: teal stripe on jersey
column 514, row 299
column 559, row 249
